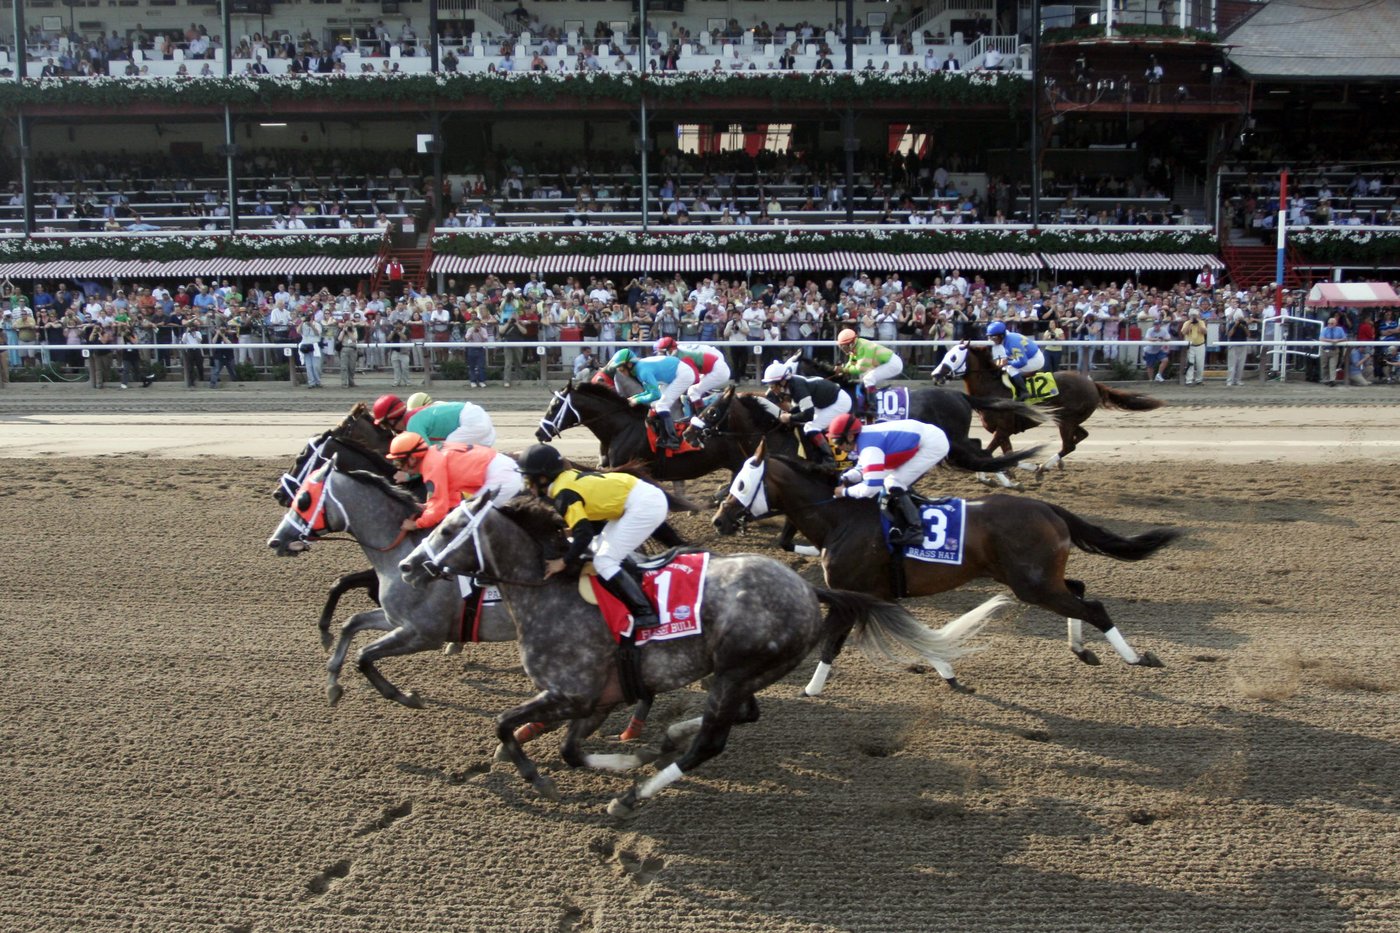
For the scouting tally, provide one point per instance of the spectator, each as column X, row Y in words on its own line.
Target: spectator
column 1333, row 336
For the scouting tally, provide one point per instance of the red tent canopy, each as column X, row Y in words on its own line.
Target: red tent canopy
column 1353, row 295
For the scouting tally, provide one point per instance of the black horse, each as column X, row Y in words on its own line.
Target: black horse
column 946, row 409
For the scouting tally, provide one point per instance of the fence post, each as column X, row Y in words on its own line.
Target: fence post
column 427, row 365
column 290, row 355
column 4, row 366
column 92, row 369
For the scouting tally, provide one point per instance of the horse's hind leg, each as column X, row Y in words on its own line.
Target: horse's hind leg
column 373, row 619
column 1076, row 627
column 366, row 579
column 580, row 729
column 830, row 649
column 1075, row 607
column 401, row 640
column 637, row 723
column 544, row 707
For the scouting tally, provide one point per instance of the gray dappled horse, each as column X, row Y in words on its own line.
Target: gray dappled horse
column 759, row 619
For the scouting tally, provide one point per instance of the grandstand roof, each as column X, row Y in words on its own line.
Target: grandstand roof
column 1320, row 40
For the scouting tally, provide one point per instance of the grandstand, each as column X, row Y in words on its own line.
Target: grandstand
column 1158, row 128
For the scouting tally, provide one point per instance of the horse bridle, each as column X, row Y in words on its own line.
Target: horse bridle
column 552, row 426
column 471, row 531
column 307, row 531
column 757, row 505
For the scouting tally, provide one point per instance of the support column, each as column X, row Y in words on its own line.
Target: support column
column 230, row 153
column 850, row 144
column 1035, row 113
column 434, row 29
column 21, row 72
column 850, row 36
column 438, row 196
column 645, row 143
column 226, row 24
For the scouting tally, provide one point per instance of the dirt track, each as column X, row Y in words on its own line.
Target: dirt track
column 171, row 763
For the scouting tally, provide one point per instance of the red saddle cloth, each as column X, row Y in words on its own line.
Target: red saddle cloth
column 676, row 589
column 685, row 448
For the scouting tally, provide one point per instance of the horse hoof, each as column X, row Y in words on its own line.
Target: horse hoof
column 411, row 700
column 334, row 692
column 452, row 647
column 545, row 787
column 1148, row 659
column 326, row 639
column 1087, row 656
column 624, row 806
column 985, row 480
column 959, row 687
column 500, row 755
column 647, row 755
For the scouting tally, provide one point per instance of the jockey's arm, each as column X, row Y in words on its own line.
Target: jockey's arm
column 650, row 393
column 440, row 500
column 870, row 471
column 581, row 530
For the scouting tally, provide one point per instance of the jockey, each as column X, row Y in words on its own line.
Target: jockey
column 711, row 368
column 869, row 362
column 622, row 359
column 663, row 379
column 1017, row 354
column 389, row 410
column 891, row 456
column 454, row 473
column 453, row 423
column 815, row 402
column 631, row 507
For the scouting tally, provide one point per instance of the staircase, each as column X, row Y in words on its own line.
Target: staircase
column 1253, row 266
column 415, row 261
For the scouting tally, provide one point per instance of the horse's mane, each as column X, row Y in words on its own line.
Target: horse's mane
column 808, row 468
column 400, row 495
column 758, row 404
column 535, row 517
column 600, row 392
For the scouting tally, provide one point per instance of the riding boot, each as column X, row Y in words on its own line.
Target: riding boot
column 818, row 450
column 626, row 588
column 667, row 439
column 1019, row 381
column 906, row 524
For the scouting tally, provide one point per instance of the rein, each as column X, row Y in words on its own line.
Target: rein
column 551, row 425
column 471, row 531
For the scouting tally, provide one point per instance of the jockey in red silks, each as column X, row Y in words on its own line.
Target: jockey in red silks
column 891, row 456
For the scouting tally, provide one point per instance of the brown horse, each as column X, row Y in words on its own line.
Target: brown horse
column 1023, row 543
column 1078, row 398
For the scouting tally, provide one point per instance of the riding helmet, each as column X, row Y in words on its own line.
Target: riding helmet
column 776, row 371
column 388, row 408
column 541, row 460
column 419, row 400
column 996, row 329
column 846, row 338
column 407, row 445
column 665, row 344
column 844, row 428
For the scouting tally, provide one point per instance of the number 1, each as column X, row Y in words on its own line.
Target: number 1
column 663, row 593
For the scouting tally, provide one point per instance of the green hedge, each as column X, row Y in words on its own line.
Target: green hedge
column 154, row 248
column 1343, row 245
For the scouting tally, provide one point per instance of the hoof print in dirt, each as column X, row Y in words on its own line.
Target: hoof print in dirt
column 1142, row 817
column 388, row 817
column 1034, row 735
column 640, row 869
column 327, row 877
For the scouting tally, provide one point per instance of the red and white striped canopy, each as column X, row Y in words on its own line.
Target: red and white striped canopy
column 705, row 263
column 1353, row 295
column 216, row 267
column 1130, row 262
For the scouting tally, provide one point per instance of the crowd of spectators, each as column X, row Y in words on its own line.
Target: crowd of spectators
column 345, row 331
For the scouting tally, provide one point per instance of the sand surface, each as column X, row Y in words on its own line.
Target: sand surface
column 171, row 763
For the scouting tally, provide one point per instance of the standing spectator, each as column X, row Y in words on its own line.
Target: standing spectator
column 510, row 331
column 399, row 355
column 221, row 339
column 393, row 270
column 1157, row 356
column 1236, row 331
column 1154, row 75
column 1194, row 333
column 193, row 340
column 348, row 338
column 309, row 350
column 1332, row 337
column 1358, row 365
column 477, row 336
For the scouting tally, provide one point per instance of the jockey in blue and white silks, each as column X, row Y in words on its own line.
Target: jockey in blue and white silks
column 1019, row 355
column 663, row 379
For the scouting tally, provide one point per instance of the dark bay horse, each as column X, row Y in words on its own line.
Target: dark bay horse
column 759, row 619
column 1022, row 543
column 1079, row 398
column 621, row 428
column 948, row 410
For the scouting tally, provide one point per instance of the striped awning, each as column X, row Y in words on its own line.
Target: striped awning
column 483, row 265
column 1130, row 262
column 1353, row 295
column 704, row 263
column 189, row 268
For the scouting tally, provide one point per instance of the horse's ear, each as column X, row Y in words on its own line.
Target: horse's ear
column 761, row 453
column 359, row 409
column 965, row 344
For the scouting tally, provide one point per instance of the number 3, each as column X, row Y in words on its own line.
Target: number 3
column 937, row 536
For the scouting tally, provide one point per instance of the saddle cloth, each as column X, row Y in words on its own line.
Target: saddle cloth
column 677, row 589
column 892, row 403
column 474, row 603
column 685, row 448
column 1040, row 387
column 944, row 526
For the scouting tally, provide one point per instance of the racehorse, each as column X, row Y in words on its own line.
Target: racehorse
column 946, row 409
column 1078, row 398
column 621, row 428
column 360, row 444
column 1022, row 543
column 759, row 619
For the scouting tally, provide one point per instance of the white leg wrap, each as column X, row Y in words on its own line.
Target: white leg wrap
column 1121, row 646
column 818, row 681
column 612, row 762
column 944, row 669
column 1052, row 462
column 1076, row 634
column 984, row 478
column 679, row 730
column 659, row 782
column 1005, row 482
column 806, row 550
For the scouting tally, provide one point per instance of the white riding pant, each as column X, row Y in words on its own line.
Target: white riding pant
column 474, row 426
column 822, row 417
column 932, row 450
column 644, row 512
column 712, row 381
column 883, row 373
column 1031, row 364
column 685, row 378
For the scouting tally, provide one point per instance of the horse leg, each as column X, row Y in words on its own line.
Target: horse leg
column 580, row 729
column 400, row 641
column 1064, row 602
column 367, row 579
column 723, row 710
column 547, row 706
column 1070, row 436
column 1001, row 440
column 834, row 643
column 1076, row 627
column 374, row 619
column 637, row 723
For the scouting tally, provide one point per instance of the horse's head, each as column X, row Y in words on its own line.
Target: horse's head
column 453, row 547
column 711, row 419
column 953, row 364
column 475, row 540
column 312, row 456
column 747, row 498
column 360, row 428
column 314, row 511
column 560, row 416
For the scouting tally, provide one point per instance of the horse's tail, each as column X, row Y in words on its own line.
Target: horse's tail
column 1006, row 406
column 1124, row 400
column 890, row 637
column 1096, row 540
column 964, row 456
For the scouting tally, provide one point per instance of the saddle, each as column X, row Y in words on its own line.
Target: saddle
column 1040, row 387
column 685, row 448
